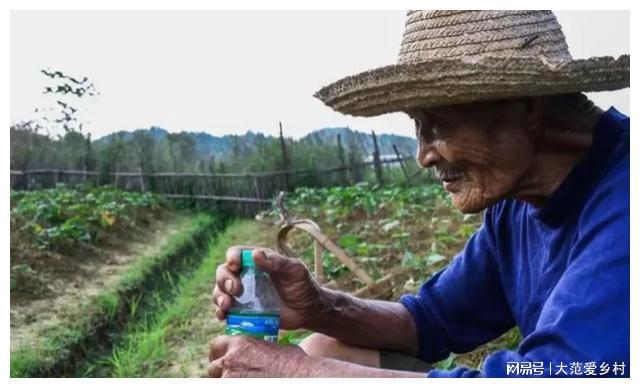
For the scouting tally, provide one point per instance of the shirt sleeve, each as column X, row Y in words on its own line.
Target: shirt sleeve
column 463, row 305
column 586, row 318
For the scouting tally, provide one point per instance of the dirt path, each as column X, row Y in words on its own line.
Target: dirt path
column 187, row 340
column 30, row 319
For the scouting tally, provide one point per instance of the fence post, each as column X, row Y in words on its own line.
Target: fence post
column 285, row 159
column 404, row 170
column 141, row 180
column 257, row 187
column 376, row 160
column 116, row 177
column 343, row 165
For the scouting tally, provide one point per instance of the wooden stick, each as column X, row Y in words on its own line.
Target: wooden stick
column 376, row 160
column 217, row 198
column 314, row 230
column 317, row 260
column 343, row 165
column 285, row 159
column 404, row 170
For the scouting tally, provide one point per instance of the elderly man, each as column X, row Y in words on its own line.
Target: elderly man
column 500, row 115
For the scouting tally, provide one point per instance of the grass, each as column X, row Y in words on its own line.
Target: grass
column 65, row 346
column 175, row 339
column 159, row 319
column 383, row 228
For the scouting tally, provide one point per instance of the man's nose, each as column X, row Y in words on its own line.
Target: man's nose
column 427, row 155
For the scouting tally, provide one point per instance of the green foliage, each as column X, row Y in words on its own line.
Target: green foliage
column 293, row 337
column 377, row 225
column 447, row 364
column 340, row 201
column 61, row 217
column 144, row 348
column 110, row 307
column 382, row 228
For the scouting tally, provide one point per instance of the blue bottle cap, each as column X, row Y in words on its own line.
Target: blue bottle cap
column 247, row 258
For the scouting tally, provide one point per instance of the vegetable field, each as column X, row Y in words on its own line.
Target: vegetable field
column 107, row 283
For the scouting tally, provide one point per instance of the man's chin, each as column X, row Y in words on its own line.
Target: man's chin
column 468, row 203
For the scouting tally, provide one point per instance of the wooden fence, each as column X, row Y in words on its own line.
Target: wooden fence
column 247, row 192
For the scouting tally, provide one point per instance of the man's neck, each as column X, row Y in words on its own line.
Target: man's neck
column 558, row 153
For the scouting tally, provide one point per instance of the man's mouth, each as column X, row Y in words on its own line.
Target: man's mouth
column 451, row 178
column 451, row 184
column 448, row 177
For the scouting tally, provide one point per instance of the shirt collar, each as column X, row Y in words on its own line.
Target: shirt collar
column 573, row 190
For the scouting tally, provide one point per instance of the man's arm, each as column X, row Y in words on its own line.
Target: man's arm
column 328, row 367
column 373, row 324
column 243, row 356
column 463, row 305
column 457, row 309
column 585, row 320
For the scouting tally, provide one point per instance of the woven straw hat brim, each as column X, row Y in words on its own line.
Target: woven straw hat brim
column 449, row 81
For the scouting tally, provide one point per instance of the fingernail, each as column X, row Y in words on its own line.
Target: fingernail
column 220, row 300
column 228, row 284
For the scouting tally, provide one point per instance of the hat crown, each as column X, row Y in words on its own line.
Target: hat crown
column 475, row 34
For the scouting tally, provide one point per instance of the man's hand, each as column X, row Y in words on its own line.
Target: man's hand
column 242, row 356
column 370, row 324
column 299, row 293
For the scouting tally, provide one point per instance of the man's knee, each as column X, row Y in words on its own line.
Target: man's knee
column 320, row 345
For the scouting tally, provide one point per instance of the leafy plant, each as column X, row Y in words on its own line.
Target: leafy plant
column 61, row 217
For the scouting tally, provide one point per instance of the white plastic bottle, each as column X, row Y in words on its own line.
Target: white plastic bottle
column 256, row 311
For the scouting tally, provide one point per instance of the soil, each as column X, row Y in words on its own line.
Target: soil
column 49, row 286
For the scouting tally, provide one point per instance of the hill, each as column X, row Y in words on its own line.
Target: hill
column 207, row 145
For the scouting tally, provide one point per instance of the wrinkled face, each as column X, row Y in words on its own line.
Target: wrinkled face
column 480, row 152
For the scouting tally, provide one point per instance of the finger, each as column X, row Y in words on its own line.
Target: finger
column 227, row 281
column 218, row 347
column 215, row 295
column 222, row 301
column 233, row 257
column 274, row 263
column 221, row 314
column 215, row 369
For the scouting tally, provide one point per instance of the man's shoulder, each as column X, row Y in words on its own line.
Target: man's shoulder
column 611, row 196
column 611, row 187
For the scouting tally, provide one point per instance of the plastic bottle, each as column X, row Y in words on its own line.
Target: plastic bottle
column 256, row 312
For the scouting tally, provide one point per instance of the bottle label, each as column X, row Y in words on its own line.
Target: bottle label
column 264, row 327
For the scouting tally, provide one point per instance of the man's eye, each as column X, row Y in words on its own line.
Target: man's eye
column 424, row 130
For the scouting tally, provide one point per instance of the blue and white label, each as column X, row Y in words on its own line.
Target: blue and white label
column 260, row 326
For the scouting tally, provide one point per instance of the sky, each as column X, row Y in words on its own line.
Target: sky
column 226, row 72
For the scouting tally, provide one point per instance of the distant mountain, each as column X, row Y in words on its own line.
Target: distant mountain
column 363, row 141
column 222, row 146
column 155, row 132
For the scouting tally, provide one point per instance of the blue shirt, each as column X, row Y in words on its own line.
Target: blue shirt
column 559, row 272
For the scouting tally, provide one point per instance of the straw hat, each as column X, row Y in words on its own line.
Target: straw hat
column 453, row 57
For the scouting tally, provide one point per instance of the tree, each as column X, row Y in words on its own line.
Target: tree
column 182, row 148
column 62, row 117
column 90, row 157
column 144, row 145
